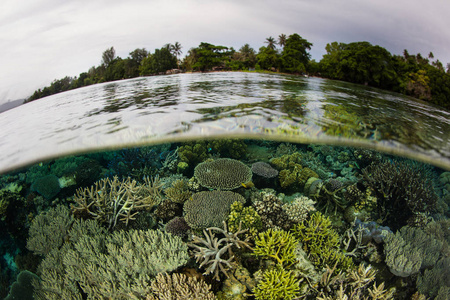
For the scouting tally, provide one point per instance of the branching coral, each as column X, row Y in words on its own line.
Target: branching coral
column 402, row 190
column 48, row 230
column 179, row 191
column 278, row 245
column 112, row 200
column 179, row 287
column 321, row 242
column 277, row 284
column 210, row 251
column 246, row 217
column 270, row 208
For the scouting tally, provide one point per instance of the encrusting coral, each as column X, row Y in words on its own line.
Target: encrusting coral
column 209, row 208
column 210, row 251
column 112, row 200
column 222, row 174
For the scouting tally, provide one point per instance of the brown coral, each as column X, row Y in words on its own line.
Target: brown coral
column 209, row 208
column 264, row 170
column 222, row 174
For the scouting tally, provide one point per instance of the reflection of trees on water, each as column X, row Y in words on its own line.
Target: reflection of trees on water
column 364, row 113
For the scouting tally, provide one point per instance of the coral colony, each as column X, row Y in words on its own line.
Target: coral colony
column 226, row 219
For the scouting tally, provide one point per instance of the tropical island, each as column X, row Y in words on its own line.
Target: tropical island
column 421, row 77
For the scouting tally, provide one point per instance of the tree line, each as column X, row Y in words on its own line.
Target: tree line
column 359, row 62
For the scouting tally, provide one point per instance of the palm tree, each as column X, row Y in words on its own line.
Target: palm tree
column 271, row 43
column 282, row 40
column 176, row 50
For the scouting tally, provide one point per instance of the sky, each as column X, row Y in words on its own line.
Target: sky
column 43, row 40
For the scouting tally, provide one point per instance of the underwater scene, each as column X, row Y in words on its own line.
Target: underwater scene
column 226, row 219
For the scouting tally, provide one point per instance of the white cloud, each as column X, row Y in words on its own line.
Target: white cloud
column 48, row 39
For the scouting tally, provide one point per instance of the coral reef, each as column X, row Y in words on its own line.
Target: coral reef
column 209, row 208
column 216, row 254
column 179, row 191
column 435, row 282
column 263, row 169
column 167, row 210
column 245, row 217
column 270, row 208
column 401, row 189
column 371, row 231
column 177, row 226
column 47, row 186
column 321, row 242
column 222, row 174
column 278, row 245
column 411, row 249
column 22, row 288
column 299, row 208
column 112, row 200
column 277, row 284
column 49, row 229
column 179, row 287
column 116, row 266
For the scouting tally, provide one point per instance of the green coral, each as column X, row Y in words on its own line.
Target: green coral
column 228, row 148
column 276, row 244
column 277, row 284
column 321, row 242
column 247, row 217
column 193, row 153
column 292, row 173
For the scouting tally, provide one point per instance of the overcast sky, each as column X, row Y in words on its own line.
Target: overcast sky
column 43, row 40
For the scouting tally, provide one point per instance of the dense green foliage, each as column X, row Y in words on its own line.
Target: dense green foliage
column 358, row 62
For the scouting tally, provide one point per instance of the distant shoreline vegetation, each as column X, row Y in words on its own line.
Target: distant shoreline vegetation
column 360, row 62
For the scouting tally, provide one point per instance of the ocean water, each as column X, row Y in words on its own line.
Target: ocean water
column 240, row 180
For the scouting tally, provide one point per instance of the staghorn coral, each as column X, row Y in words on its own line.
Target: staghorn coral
column 48, row 230
column 277, row 284
column 298, row 210
column 401, row 189
column 246, row 217
column 278, row 245
column 179, row 191
column 209, row 208
column 357, row 284
column 321, row 242
column 112, row 200
column 264, row 170
column 211, row 251
column 222, row 174
column 179, row 287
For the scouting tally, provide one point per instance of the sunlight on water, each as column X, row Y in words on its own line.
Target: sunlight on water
column 248, row 105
